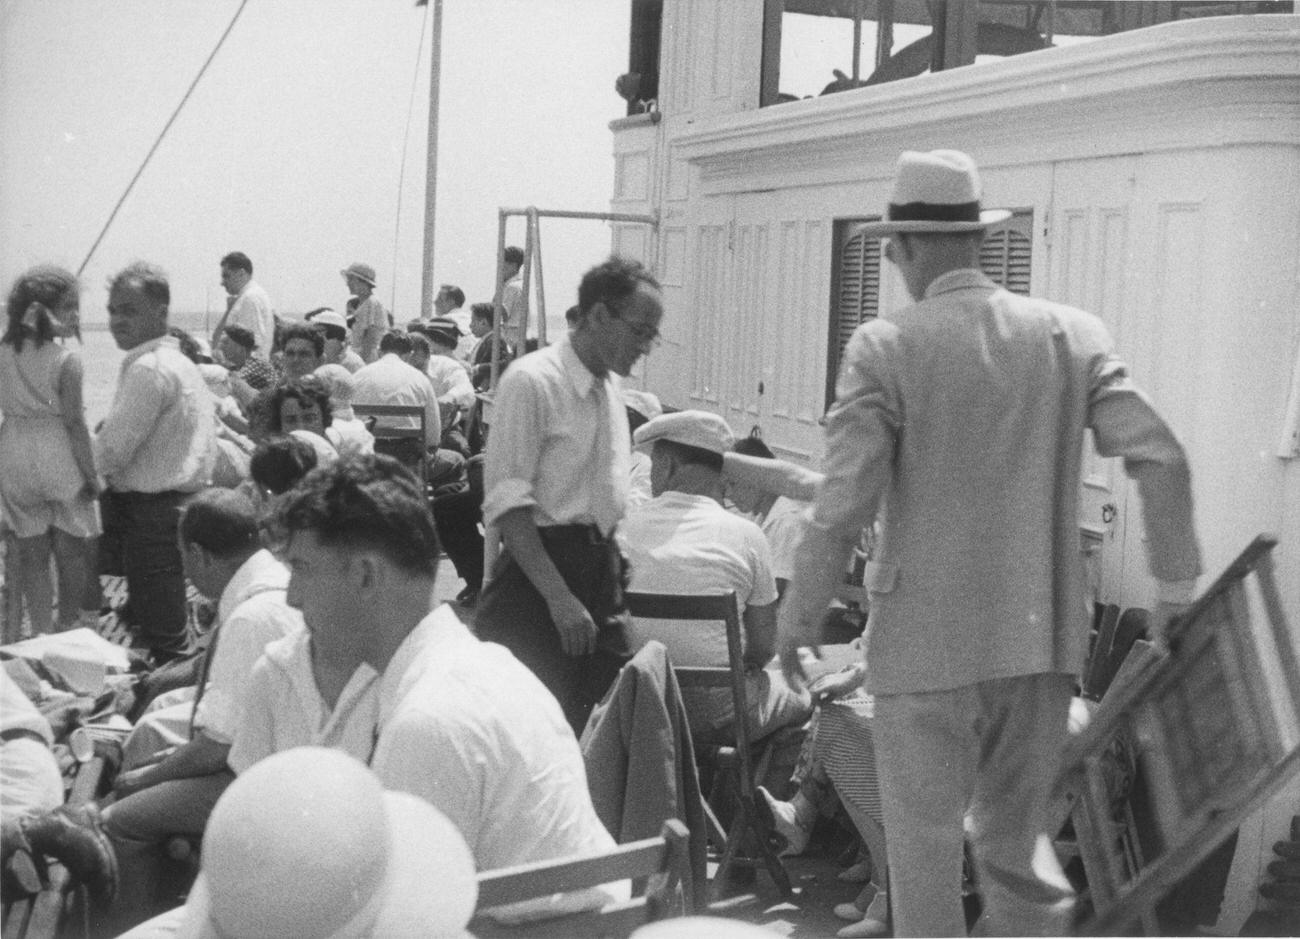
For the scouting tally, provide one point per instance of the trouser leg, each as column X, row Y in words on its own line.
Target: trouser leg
column 139, row 826
column 155, row 579
column 456, row 517
column 1023, row 728
column 926, row 758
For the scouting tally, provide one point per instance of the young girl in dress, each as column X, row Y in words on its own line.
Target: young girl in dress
column 48, row 485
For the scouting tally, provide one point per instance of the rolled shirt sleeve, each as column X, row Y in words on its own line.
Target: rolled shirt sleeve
column 514, row 447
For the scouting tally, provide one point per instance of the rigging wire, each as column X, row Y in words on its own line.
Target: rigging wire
column 171, row 120
column 401, row 173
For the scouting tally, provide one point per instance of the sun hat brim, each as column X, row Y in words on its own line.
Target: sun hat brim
column 927, row 226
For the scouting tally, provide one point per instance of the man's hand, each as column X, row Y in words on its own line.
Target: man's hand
column 576, row 627
column 837, row 684
column 1161, row 619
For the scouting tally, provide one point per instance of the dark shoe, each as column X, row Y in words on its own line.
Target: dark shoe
column 75, row 837
column 468, row 596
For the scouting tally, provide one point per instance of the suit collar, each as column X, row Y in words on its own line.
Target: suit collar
column 961, row 279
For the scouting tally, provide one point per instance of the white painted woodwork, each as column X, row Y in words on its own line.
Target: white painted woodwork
column 1162, row 167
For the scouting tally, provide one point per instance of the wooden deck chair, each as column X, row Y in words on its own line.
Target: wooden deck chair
column 404, row 443
column 747, row 820
column 49, row 913
column 662, row 861
column 1215, row 728
column 1094, row 685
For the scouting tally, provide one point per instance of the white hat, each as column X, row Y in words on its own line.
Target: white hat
column 329, row 318
column 307, row 843
column 701, row 429
column 935, row 192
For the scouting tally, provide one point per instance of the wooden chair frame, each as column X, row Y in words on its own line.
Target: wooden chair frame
column 662, row 861
column 1216, row 728
column 380, row 432
column 747, row 819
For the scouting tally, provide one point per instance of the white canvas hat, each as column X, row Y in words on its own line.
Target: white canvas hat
column 307, row 843
column 935, row 192
column 701, row 429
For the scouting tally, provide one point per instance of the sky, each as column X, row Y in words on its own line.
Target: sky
column 290, row 148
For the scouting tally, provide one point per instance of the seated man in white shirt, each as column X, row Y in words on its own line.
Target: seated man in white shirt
column 461, row 723
column 393, row 380
column 684, row 542
column 450, row 377
column 223, row 558
column 780, row 517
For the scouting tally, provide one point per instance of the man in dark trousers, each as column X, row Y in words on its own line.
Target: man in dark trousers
column 556, row 486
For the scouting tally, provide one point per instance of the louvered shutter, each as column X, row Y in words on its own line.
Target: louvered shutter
column 855, row 296
column 1005, row 255
column 857, row 291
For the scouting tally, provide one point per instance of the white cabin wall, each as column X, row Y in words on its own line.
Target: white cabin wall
column 1162, row 166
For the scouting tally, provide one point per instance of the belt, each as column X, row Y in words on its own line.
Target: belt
column 584, row 534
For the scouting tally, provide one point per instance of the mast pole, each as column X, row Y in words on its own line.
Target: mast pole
column 429, row 290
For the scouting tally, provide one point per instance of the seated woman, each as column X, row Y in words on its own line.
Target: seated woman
column 839, row 760
column 838, row 755
column 301, row 408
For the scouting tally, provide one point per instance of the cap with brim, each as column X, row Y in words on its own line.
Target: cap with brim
column 360, row 272
column 703, row 430
column 329, row 318
column 355, row 862
column 445, row 329
column 936, row 193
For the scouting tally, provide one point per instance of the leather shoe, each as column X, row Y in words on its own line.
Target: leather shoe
column 468, row 596
column 75, row 837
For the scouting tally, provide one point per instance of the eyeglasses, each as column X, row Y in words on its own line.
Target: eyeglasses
column 644, row 332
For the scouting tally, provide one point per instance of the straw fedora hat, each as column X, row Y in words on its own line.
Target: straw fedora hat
column 936, row 192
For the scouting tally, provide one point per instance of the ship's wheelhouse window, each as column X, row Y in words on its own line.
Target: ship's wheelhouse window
column 817, row 47
column 858, row 260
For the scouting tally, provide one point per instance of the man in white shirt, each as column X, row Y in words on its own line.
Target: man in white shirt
column 684, row 542
column 248, row 305
column 335, row 329
column 449, row 375
column 512, row 307
column 461, row 723
column 156, row 447
column 224, row 559
column 556, row 481
column 392, row 380
column 450, row 304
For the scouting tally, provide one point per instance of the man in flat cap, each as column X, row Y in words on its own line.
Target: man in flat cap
column 965, row 413
column 683, row 541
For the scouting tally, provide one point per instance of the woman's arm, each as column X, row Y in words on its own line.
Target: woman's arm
column 74, row 419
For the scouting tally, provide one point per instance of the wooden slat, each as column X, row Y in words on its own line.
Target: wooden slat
column 543, row 878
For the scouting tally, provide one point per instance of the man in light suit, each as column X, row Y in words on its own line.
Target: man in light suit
column 965, row 413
